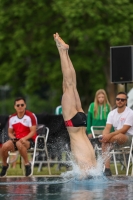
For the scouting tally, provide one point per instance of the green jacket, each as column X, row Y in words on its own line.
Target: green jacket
column 100, row 119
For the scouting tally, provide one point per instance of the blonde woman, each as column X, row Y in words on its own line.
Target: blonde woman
column 98, row 112
column 73, row 114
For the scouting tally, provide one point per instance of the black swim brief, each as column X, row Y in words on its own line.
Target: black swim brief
column 78, row 120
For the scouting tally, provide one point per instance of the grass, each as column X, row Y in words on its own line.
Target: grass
column 18, row 171
column 120, row 172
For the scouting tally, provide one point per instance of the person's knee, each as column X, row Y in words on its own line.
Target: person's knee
column 7, row 146
column 19, row 145
column 123, row 139
column 4, row 147
column 23, row 146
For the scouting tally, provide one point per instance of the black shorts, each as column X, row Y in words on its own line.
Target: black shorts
column 32, row 144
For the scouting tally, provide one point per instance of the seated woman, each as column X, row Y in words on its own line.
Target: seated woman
column 73, row 114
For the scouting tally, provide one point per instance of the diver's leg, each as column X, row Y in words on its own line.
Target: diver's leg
column 69, row 75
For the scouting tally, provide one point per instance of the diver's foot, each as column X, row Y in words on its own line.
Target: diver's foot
column 60, row 43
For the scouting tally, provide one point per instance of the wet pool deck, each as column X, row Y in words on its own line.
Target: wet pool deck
column 53, row 176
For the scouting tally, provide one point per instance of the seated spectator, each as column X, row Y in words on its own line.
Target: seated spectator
column 121, row 119
column 22, row 134
column 98, row 112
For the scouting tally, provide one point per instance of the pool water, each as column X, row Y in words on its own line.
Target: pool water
column 39, row 188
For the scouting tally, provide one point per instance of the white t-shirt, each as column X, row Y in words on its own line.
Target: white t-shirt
column 119, row 119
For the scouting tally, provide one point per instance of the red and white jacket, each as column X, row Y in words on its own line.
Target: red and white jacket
column 21, row 126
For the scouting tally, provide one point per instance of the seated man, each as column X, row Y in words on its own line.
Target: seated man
column 22, row 134
column 121, row 119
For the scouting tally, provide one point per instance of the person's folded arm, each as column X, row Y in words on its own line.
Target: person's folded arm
column 107, row 129
column 106, row 133
column 107, row 136
column 31, row 133
column 123, row 130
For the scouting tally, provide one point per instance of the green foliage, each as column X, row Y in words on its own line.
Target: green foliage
column 35, row 104
column 91, row 27
column 39, row 105
column 29, row 60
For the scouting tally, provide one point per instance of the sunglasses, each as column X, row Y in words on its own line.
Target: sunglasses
column 120, row 99
column 22, row 105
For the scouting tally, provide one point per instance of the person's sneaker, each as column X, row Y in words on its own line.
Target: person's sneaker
column 107, row 172
column 4, row 170
column 28, row 171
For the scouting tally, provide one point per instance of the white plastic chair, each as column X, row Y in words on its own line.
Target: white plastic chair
column 96, row 147
column 43, row 135
column 40, row 146
column 130, row 159
column 44, row 150
column 11, row 160
column 123, row 151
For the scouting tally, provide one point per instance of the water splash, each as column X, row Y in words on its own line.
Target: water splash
column 93, row 172
column 77, row 173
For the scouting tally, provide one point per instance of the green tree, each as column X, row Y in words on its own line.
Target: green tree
column 29, row 60
column 92, row 27
column 26, row 42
